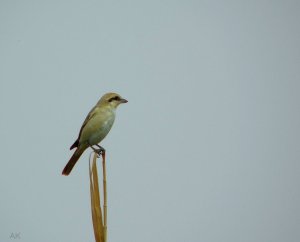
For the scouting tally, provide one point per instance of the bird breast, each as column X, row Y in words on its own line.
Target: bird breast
column 98, row 126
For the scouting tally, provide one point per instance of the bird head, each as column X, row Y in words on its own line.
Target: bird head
column 111, row 99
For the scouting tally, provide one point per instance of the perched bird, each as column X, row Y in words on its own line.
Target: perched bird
column 95, row 127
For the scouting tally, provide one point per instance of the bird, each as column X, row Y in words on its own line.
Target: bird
column 95, row 127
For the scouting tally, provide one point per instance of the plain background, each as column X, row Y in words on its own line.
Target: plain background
column 206, row 149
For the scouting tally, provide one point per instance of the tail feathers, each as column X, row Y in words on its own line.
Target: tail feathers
column 68, row 168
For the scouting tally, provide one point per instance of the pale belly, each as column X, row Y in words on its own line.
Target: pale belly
column 97, row 128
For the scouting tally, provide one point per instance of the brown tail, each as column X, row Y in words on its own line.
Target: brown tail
column 68, row 168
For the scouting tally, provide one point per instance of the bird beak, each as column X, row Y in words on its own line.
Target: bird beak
column 122, row 100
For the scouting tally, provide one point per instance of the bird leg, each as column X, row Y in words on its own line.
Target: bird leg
column 99, row 151
column 101, row 148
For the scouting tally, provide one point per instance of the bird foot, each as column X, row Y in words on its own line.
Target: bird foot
column 100, row 151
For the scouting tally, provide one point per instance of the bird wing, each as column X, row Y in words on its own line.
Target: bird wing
column 88, row 117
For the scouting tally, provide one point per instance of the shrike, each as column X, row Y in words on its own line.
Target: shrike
column 95, row 127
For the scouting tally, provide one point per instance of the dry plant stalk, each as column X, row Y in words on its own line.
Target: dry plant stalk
column 104, row 196
column 99, row 222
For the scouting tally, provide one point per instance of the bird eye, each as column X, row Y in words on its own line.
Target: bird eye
column 117, row 98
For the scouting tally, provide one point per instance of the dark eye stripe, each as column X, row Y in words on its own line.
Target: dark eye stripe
column 114, row 98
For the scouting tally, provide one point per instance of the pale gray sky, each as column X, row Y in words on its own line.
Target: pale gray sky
column 207, row 149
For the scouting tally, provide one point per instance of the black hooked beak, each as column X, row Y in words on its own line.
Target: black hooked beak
column 122, row 100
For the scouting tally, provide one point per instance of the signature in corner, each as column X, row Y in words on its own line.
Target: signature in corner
column 15, row 235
